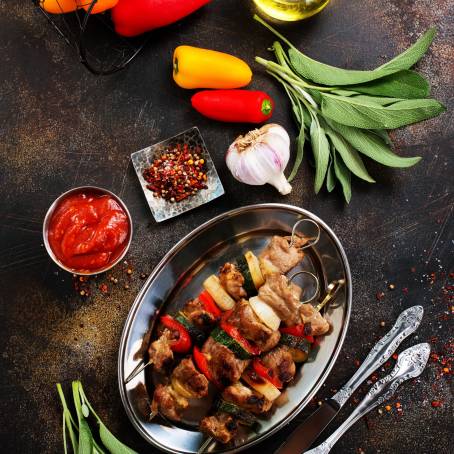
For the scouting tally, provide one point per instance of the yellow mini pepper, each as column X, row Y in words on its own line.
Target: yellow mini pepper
column 194, row 67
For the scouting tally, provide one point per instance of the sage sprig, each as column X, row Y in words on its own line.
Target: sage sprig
column 80, row 435
column 346, row 113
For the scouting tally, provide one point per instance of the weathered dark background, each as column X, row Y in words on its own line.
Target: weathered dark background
column 61, row 127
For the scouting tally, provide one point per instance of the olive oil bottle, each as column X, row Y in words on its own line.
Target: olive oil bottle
column 291, row 10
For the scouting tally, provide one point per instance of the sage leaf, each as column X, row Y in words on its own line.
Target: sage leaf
column 403, row 84
column 344, row 177
column 373, row 146
column 112, row 443
column 299, row 152
column 349, row 155
column 383, row 134
column 85, row 436
column 320, row 148
column 370, row 100
column 409, row 57
column 330, row 177
column 362, row 114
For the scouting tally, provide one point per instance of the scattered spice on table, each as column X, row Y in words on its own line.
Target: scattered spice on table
column 177, row 174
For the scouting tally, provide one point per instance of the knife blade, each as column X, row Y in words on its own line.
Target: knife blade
column 308, row 431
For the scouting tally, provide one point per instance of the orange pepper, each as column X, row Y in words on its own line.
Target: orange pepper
column 194, row 67
column 58, row 6
column 99, row 7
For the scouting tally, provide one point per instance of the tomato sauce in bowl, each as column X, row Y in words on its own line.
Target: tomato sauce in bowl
column 88, row 230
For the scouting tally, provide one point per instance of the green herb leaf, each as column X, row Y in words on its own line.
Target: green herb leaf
column 362, row 114
column 409, row 57
column 349, row 155
column 366, row 99
column 299, row 153
column 344, row 177
column 330, row 177
column 320, row 148
column 112, row 443
column 85, row 436
column 383, row 134
column 403, row 84
column 371, row 145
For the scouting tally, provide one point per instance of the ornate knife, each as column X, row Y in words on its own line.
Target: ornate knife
column 308, row 431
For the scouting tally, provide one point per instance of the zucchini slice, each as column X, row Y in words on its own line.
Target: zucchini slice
column 243, row 267
column 265, row 313
column 248, row 419
column 254, row 268
column 264, row 387
column 299, row 347
column 213, row 286
column 219, row 335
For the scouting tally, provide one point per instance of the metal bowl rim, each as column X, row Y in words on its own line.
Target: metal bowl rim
column 175, row 249
column 51, row 211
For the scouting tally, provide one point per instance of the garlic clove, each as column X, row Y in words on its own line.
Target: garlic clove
column 281, row 184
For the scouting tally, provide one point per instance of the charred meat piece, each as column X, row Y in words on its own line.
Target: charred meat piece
column 283, row 297
column 222, row 427
column 313, row 318
column 224, row 366
column 232, row 280
column 190, row 379
column 279, row 257
column 250, row 326
column 246, row 398
column 168, row 402
column 198, row 316
column 159, row 351
column 281, row 363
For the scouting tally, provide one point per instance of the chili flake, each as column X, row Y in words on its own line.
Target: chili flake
column 177, row 174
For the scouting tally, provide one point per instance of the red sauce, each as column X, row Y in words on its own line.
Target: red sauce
column 88, row 232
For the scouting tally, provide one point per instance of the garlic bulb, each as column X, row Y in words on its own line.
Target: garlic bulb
column 260, row 157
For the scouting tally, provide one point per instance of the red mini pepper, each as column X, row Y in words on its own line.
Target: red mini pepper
column 298, row 331
column 239, row 106
column 183, row 343
column 209, row 304
column 134, row 17
column 266, row 373
column 202, row 363
column 234, row 333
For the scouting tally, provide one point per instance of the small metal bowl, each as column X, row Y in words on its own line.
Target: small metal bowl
column 53, row 207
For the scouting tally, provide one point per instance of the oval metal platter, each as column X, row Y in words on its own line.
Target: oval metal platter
column 179, row 276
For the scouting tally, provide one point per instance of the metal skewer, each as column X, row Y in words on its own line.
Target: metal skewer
column 331, row 292
column 139, row 368
column 312, row 241
column 205, row 445
column 313, row 277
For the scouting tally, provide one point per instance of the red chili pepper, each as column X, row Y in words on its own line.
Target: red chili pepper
column 234, row 333
column 183, row 343
column 134, row 17
column 297, row 330
column 241, row 106
column 209, row 304
column 202, row 363
column 266, row 373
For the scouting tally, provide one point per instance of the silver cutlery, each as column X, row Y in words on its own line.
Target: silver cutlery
column 410, row 364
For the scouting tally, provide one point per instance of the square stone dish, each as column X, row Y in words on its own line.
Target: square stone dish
column 163, row 209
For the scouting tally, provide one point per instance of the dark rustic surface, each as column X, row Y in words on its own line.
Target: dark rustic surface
column 62, row 127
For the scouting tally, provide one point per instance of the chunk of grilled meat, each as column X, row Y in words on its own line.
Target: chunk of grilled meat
column 232, row 281
column 190, row 378
column 224, row 366
column 250, row 326
column 280, row 361
column 279, row 256
column 159, row 351
column 246, row 398
column 198, row 316
column 314, row 323
column 283, row 297
column 168, row 402
column 222, row 427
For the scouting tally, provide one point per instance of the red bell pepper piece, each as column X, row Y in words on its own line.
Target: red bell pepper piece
column 134, row 17
column 209, row 304
column 234, row 333
column 241, row 106
column 297, row 330
column 183, row 343
column 266, row 373
column 202, row 363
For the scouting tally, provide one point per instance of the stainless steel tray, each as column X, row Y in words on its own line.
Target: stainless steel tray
column 179, row 276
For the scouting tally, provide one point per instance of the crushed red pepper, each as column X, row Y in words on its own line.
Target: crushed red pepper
column 177, row 174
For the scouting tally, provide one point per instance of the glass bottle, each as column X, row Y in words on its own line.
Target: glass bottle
column 291, row 10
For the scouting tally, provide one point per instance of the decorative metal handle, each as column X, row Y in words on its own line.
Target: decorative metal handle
column 406, row 324
column 410, row 364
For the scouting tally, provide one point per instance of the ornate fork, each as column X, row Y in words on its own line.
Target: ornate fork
column 410, row 364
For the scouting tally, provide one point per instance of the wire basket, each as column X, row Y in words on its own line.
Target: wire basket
column 93, row 37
